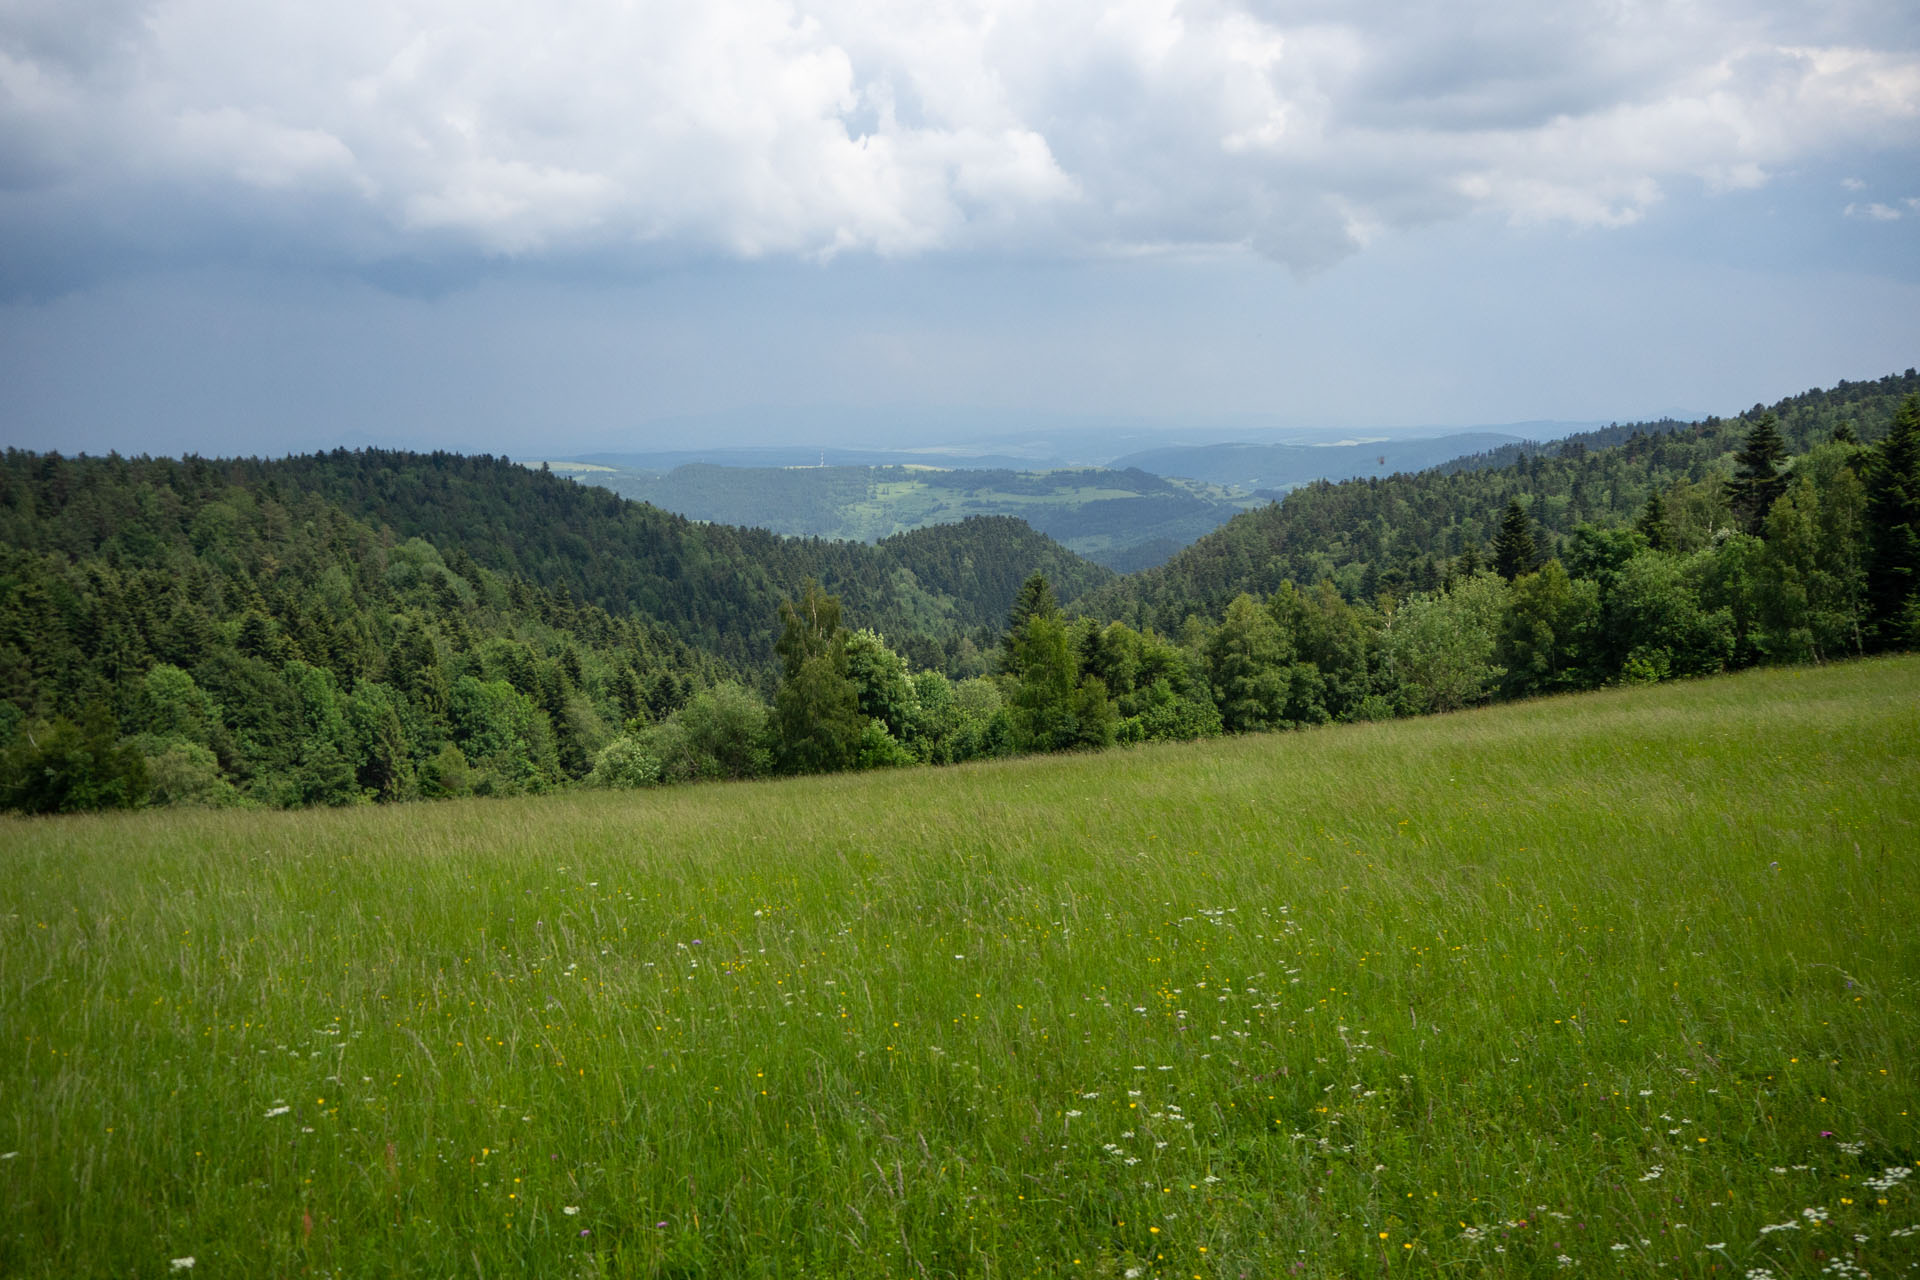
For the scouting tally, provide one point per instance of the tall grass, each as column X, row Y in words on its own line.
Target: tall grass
column 1611, row 983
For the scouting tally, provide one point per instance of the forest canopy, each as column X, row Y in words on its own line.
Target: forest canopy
column 370, row 627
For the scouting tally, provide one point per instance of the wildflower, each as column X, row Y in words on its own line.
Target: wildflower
column 183, row 1264
column 277, row 1111
column 570, row 1210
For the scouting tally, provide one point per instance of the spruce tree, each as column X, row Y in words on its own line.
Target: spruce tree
column 1757, row 480
column 1893, row 525
column 1513, row 550
column 1653, row 523
column 1035, row 600
column 817, row 706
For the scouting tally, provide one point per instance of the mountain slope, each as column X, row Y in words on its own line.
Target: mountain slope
column 717, row 586
column 1401, row 532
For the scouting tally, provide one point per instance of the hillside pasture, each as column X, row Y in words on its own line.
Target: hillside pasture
column 1616, row 984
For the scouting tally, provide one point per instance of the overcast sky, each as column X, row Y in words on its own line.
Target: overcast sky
column 229, row 226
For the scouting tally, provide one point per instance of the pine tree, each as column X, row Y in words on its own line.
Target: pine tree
column 1513, row 550
column 1757, row 481
column 1036, row 600
column 1653, row 523
column 1893, row 526
column 816, row 709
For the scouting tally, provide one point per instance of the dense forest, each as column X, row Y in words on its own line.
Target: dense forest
column 716, row 586
column 1406, row 532
column 359, row 627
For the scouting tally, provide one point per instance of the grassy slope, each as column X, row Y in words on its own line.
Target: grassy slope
column 1572, row 973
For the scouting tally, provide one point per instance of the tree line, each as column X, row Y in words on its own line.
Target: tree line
column 1789, row 559
column 174, row 633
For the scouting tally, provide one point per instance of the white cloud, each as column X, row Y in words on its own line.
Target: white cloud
column 819, row 127
column 1874, row 212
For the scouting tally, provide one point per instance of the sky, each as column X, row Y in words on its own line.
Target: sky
column 588, row 225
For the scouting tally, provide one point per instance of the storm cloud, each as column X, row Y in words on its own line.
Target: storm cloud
column 364, row 133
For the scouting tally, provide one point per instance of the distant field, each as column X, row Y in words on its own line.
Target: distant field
column 1622, row 984
column 1122, row 519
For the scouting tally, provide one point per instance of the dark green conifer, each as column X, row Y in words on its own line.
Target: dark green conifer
column 1036, row 600
column 816, row 707
column 1893, row 525
column 1757, row 480
column 1653, row 523
column 1513, row 549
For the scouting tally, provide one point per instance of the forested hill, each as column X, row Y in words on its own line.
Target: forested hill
column 384, row 625
column 1408, row 532
column 714, row 586
column 1805, row 420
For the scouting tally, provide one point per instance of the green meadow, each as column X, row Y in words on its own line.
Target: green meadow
column 1616, row 984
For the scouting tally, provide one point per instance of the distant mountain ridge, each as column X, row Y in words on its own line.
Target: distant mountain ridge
column 1278, row 467
column 1106, row 515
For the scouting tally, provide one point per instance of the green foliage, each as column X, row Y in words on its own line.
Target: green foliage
column 817, row 706
column 1399, row 527
column 171, row 705
column 1655, row 619
column 726, row 730
column 1893, row 524
column 1054, row 707
column 1036, row 599
column 446, row 774
column 1249, row 663
column 185, row 774
column 1547, row 633
column 504, row 737
column 886, row 692
column 1513, row 547
column 64, row 767
column 1756, row 482
column 239, row 631
column 1439, row 648
column 879, row 749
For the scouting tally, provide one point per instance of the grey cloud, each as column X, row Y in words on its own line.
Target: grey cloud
column 369, row 134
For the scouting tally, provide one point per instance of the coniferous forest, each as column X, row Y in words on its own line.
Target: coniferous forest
column 375, row 626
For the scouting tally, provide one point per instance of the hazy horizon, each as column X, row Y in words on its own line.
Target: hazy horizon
column 230, row 228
